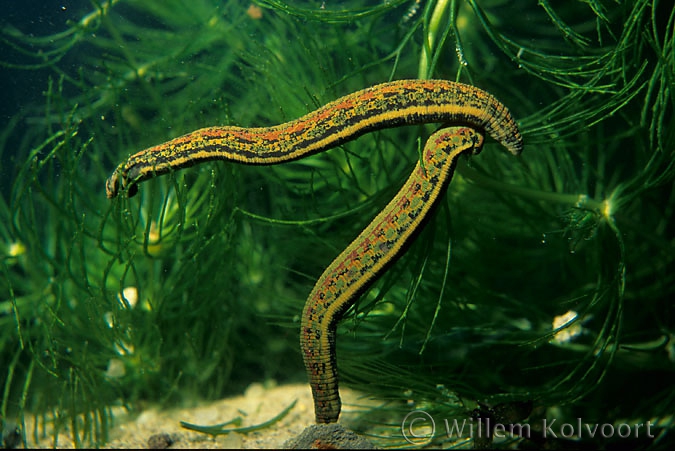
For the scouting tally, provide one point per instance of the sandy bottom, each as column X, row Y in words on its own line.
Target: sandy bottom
column 155, row 428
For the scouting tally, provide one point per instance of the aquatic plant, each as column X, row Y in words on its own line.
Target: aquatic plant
column 545, row 280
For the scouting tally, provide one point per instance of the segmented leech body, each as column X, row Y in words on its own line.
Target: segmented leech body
column 403, row 102
column 383, row 240
column 376, row 247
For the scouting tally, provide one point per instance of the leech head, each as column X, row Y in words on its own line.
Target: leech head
column 514, row 143
column 112, row 185
column 118, row 181
column 516, row 147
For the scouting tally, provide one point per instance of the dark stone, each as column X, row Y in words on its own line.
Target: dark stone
column 328, row 436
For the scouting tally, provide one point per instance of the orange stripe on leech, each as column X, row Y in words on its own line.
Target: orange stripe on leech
column 331, row 312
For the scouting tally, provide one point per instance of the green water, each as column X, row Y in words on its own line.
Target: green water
column 193, row 289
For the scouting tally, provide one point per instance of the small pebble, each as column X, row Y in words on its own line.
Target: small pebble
column 160, row 441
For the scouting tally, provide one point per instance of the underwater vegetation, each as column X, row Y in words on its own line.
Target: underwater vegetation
column 544, row 280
